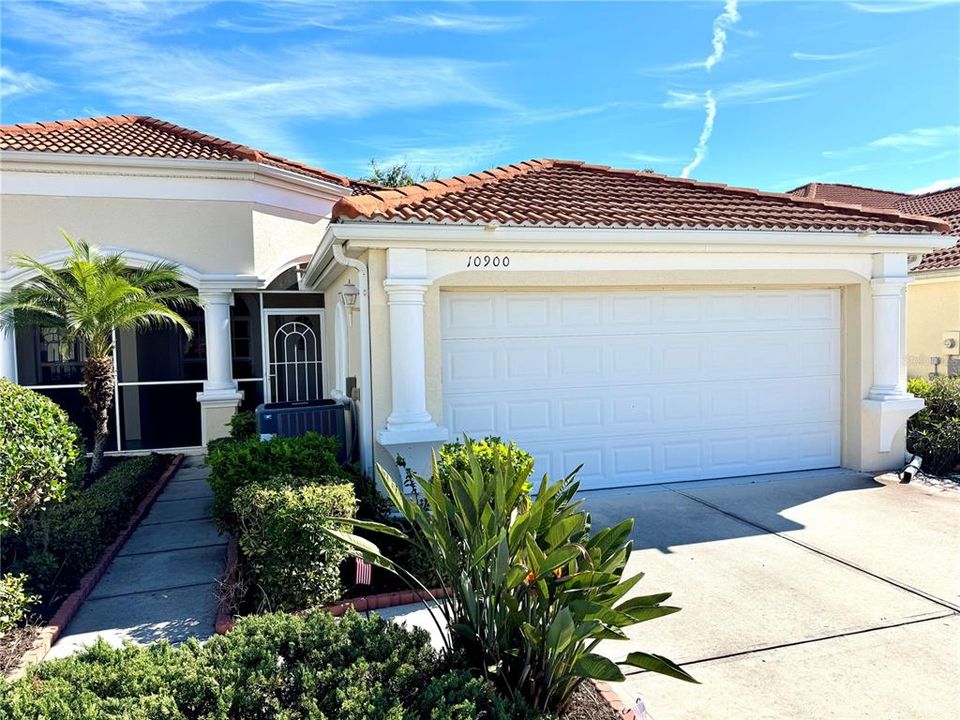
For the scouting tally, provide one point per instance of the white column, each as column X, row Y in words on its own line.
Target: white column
column 216, row 313
column 220, row 397
column 888, row 353
column 888, row 404
column 407, row 358
column 8, row 354
column 409, row 421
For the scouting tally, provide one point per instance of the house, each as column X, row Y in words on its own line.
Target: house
column 933, row 296
column 649, row 328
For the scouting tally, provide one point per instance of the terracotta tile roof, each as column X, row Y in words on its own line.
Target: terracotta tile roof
column 570, row 193
column 942, row 204
column 141, row 136
column 851, row 194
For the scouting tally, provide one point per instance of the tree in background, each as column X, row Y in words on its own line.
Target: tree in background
column 93, row 296
column 396, row 175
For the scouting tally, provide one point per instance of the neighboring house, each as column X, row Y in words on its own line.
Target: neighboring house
column 647, row 327
column 933, row 297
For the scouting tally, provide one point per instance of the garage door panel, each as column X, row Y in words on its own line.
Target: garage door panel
column 479, row 364
column 519, row 314
column 661, row 407
column 616, row 461
column 648, row 386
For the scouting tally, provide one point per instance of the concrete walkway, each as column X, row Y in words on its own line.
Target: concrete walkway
column 163, row 583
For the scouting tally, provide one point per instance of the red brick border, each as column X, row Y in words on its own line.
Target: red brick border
column 613, row 699
column 68, row 608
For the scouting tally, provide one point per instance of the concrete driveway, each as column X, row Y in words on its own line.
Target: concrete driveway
column 825, row 594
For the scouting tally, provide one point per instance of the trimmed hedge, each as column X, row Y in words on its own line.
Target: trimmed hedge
column 40, row 452
column 243, row 425
column 934, row 432
column 271, row 667
column 291, row 564
column 56, row 546
column 238, row 463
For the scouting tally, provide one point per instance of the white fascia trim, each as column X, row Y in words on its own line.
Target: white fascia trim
column 49, row 163
column 202, row 281
column 449, row 237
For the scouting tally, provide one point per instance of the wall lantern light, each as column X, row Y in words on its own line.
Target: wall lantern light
column 349, row 294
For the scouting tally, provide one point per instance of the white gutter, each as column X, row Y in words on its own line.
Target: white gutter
column 366, row 383
column 579, row 239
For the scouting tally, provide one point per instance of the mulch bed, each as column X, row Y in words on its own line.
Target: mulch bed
column 591, row 703
column 43, row 637
column 14, row 644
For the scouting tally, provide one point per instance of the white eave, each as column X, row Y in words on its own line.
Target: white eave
column 54, row 173
column 367, row 235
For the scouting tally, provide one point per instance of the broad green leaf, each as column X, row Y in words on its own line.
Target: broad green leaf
column 658, row 664
column 644, row 601
column 597, row 667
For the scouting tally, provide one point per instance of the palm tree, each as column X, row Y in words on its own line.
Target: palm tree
column 90, row 298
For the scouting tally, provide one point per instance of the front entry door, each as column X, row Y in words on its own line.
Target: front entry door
column 294, row 359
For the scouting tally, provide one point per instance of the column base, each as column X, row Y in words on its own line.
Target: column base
column 889, row 416
column 216, row 409
column 427, row 433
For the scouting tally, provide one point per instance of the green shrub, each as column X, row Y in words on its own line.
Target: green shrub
column 243, row 425
column 291, row 563
column 240, row 463
column 15, row 601
column 271, row 667
column 530, row 592
column 40, row 451
column 56, row 546
column 489, row 451
column 934, row 432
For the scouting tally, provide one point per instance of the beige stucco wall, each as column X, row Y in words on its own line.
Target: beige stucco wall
column 208, row 236
column 933, row 308
column 858, row 427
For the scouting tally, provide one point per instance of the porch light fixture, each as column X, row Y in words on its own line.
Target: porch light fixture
column 349, row 294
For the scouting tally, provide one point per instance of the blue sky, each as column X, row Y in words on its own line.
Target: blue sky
column 762, row 94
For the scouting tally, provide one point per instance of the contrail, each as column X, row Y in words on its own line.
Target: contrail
column 701, row 150
column 724, row 20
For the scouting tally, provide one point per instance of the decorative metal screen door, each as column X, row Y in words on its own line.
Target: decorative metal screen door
column 294, row 357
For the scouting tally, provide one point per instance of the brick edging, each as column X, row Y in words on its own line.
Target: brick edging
column 226, row 621
column 613, row 699
column 68, row 608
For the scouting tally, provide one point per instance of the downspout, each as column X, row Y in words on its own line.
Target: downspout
column 366, row 384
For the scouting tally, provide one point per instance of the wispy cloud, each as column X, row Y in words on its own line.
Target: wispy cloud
column 864, row 172
column 13, row 83
column 755, row 91
column 258, row 95
column 445, row 160
column 828, row 57
column 898, row 7
column 725, row 20
column 467, row 23
column 915, row 139
column 937, row 185
column 700, row 152
column 651, row 158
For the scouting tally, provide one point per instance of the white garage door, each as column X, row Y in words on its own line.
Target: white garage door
column 646, row 387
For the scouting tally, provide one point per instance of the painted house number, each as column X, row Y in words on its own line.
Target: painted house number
column 486, row 261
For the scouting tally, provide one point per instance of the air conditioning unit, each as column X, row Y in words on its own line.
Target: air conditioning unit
column 292, row 419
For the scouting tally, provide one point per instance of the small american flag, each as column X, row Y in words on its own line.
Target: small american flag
column 364, row 572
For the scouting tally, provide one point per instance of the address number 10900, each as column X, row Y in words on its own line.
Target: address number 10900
column 488, row 261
